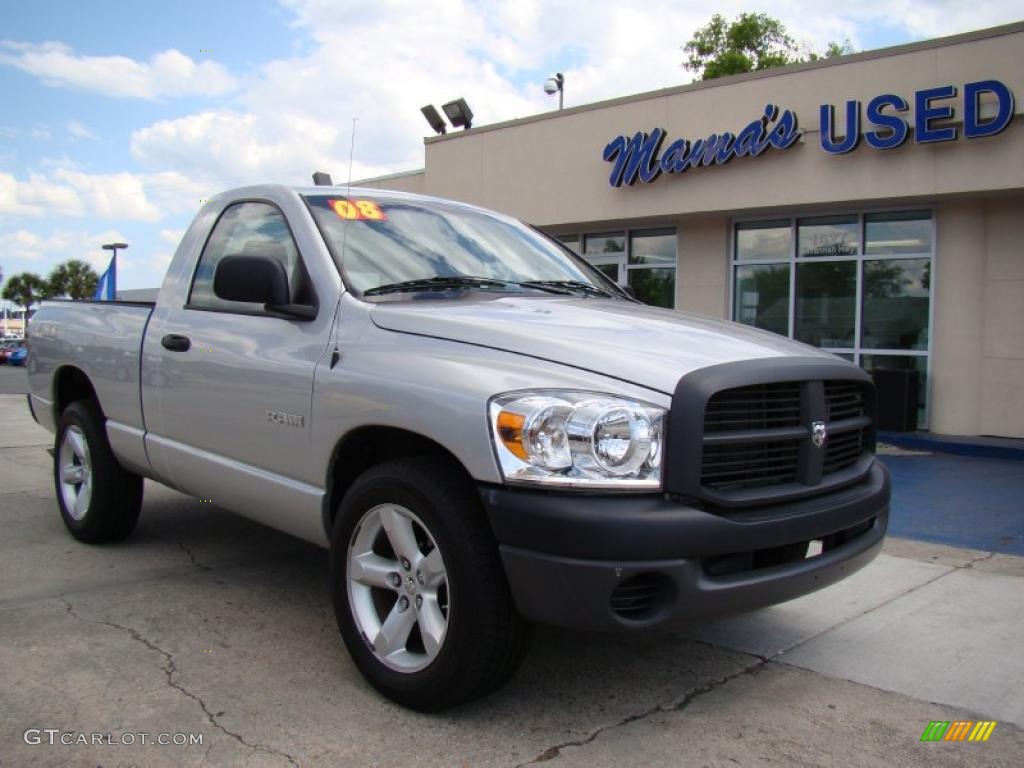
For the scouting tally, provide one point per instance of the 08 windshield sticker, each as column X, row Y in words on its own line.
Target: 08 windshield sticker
column 357, row 210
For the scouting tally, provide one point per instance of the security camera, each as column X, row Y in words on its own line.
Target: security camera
column 550, row 86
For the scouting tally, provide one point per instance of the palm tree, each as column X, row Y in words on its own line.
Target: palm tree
column 26, row 289
column 73, row 278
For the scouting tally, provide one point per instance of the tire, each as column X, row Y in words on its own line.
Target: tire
column 463, row 637
column 99, row 499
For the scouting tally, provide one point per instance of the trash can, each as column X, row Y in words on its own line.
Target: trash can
column 896, row 394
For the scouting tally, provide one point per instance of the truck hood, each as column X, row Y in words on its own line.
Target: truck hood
column 643, row 345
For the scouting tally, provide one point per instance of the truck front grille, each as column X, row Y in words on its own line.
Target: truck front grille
column 759, row 406
column 750, row 465
column 805, row 429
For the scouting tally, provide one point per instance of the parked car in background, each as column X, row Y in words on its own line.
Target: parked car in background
column 7, row 348
column 18, row 355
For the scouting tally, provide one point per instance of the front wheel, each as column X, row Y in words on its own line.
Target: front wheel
column 419, row 592
column 99, row 499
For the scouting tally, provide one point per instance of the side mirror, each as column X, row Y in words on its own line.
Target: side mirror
column 255, row 279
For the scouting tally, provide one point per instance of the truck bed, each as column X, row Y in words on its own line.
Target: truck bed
column 103, row 339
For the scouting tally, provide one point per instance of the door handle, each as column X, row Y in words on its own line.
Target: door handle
column 176, row 343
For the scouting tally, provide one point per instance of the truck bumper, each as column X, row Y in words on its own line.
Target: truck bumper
column 633, row 562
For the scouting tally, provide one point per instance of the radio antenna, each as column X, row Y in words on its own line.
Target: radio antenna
column 351, row 155
column 348, row 188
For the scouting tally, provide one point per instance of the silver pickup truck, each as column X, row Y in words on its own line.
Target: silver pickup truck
column 483, row 429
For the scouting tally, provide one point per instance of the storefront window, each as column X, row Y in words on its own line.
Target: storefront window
column 604, row 244
column 656, row 247
column 895, row 312
column 849, row 286
column 762, row 296
column 825, row 303
column 643, row 259
column 654, row 286
column 764, row 239
column 897, row 233
column 828, row 236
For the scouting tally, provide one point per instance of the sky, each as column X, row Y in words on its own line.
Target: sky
column 118, row 119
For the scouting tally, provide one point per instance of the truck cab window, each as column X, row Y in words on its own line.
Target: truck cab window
column 249, row 229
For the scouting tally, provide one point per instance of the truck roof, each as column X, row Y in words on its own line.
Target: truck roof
column 344, row 190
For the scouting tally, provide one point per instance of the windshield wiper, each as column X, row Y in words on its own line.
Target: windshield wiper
column 569, row 285
column 461, row 281
column 429, row 283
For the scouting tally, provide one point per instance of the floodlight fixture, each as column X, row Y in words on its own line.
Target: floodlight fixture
column 434, row 118
column 459, row 114
column 556, row 84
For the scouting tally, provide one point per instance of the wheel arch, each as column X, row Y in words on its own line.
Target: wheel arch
column 70, row 384
column 367, row 446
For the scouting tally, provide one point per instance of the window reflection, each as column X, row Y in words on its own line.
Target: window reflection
column 426, row 240
column 596, row 245
column 895, row 311
column 764, row 239
column 656, row 246
column 828, row 236
column 825, row 303
column 654, row 286
column 762, row 296
column 897, row 233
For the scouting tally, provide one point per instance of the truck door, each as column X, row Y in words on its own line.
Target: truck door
column 228, row 386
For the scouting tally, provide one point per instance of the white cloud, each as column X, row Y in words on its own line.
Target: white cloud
column 169, row 73
column 67, row 191
column 227, row 148
column 37, row 196
column 172, row 236
column 46, row 251
column 79, row 130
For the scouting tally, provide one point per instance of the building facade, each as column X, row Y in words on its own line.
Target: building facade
column 866, row 205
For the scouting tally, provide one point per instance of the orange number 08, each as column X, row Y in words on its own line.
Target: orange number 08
column 358, row 210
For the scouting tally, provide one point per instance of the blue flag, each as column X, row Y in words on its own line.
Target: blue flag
column 106, row 288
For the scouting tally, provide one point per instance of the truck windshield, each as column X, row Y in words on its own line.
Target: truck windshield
column 387, row 245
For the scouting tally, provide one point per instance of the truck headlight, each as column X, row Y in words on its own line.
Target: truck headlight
column 578, row 439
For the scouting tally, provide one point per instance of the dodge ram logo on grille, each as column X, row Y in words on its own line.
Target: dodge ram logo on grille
column 818, row 433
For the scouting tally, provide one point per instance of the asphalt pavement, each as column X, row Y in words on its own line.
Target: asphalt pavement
column 13, row 380
column 207, row 625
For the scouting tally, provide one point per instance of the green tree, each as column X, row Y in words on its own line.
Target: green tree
column 74, row 278
column 26, row 289
column 754, row 41
column 833, row 50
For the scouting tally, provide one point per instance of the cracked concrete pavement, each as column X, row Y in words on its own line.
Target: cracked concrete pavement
column 205, row 623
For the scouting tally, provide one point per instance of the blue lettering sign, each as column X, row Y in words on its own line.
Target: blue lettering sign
column 973, row 128
column 887, row 129
column 896, row 130
column 637, row 158
column 851, row 134
column 925, row 114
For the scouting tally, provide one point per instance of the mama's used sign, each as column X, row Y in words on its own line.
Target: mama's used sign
column 640, row 157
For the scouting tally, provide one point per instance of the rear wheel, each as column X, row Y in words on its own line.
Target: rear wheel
column 418, row 588
column 99, row 500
